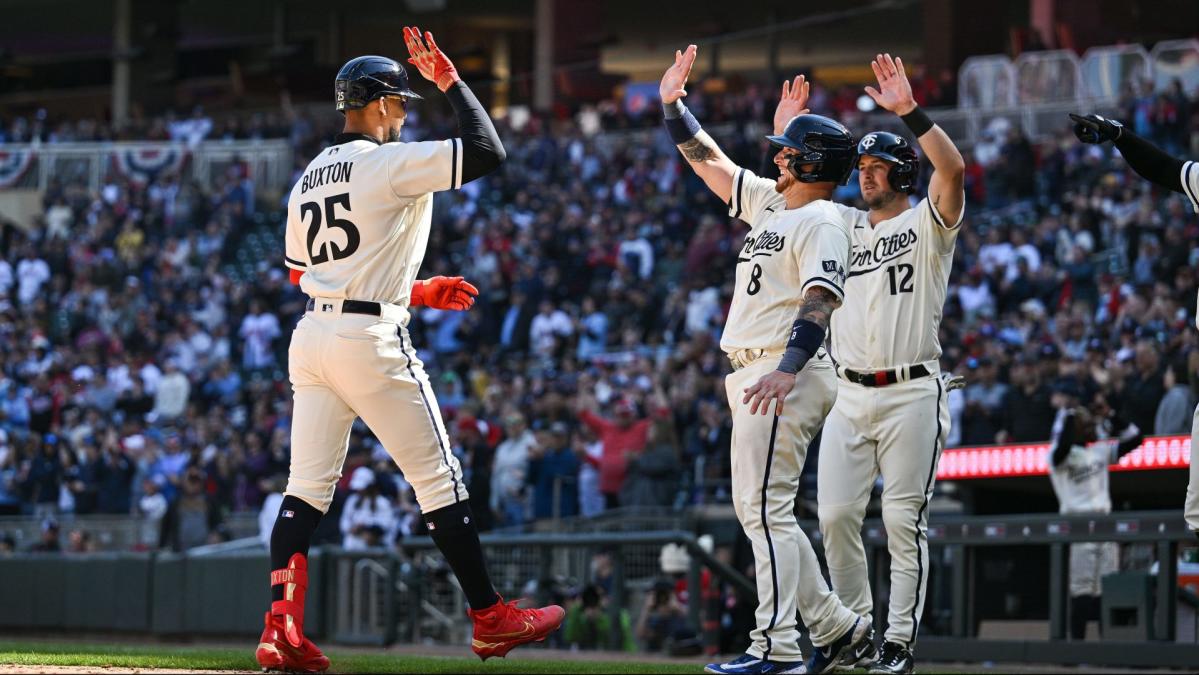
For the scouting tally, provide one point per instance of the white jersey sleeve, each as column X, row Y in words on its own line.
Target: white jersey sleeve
column 751, row 195
column 944, row 233
column 414, row 169
column 1190, row 183
column 823, row 257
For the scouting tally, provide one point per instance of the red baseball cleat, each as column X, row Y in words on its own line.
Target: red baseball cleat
column 276, row 653
column 283, row 645
column 503, row 626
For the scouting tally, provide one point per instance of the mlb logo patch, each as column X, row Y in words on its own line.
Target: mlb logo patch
column 431, row 526
column 325, row 307
column 287, row 513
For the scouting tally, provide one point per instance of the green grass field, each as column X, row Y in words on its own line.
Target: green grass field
column 206, row 658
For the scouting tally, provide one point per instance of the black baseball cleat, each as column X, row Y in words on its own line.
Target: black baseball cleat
column 861, row 657
column 894, row 660
column 825, row 659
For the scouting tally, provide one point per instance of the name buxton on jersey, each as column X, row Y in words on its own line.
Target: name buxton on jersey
column 337, row 172
column 885, row 249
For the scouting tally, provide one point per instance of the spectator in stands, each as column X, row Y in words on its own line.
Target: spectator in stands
column 1174, row 413
column 191, row 520
column 1027, row 413
column 1144, row 388
column 984, row 401
column 510, row 470
column 623, row 436
column 653, row 474
column 48, row 543
column 368, row 518
column 554, row 474
column 171, row 395
column 549, row 330
column 258, row 330
column 42, row 477
column 8, row 545
column 81, row 541
column 663, row 621
column 588, row 624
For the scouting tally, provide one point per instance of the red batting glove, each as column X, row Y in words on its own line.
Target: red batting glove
column 429, row 61
column 453, row 293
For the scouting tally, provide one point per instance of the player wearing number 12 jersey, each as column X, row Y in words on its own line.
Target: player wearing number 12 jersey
column 357, row 226
column 891, row 416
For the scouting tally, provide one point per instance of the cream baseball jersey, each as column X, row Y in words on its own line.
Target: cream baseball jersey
column 358, row 219
column 1190, row 186
column 786, row 252
column 895, row 289
column 1081, row 481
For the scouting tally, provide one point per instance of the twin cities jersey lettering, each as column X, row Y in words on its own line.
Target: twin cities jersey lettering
column 358, row 219
column 786, row 252
column 895, row 289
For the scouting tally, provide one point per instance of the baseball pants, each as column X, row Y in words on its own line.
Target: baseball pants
column 898, row 431
column 1089, row 563
column 344, row 366
column 1191, row 511
column 768, row 454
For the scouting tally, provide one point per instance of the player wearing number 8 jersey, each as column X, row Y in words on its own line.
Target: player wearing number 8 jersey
column 357, row 227
column 891, row 416
column 789, row 277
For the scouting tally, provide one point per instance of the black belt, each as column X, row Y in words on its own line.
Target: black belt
column 882, row 378
column 353, row 307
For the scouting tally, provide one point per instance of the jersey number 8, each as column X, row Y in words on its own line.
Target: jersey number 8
column 330, row 216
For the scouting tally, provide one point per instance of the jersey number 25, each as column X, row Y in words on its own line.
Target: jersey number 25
column 330, row 217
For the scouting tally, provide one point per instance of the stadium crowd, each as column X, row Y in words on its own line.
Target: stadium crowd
column 138, row 376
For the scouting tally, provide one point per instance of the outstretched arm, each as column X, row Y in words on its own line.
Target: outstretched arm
column 1150, row 162
column 482, row 151
column 698, row 148
column 946, row 189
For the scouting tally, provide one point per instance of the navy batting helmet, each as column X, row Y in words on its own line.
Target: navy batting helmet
column 822, row 142
column 895, row 149
column 366, row 78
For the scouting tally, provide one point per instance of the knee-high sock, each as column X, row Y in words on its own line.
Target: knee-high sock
column 453, row 530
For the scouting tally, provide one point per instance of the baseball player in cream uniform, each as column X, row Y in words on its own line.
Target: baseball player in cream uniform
column 1173, row 174
column 357, row 226
column 891, row 416
column 789, row 280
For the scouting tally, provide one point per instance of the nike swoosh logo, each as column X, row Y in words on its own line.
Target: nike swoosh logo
column 527, row 631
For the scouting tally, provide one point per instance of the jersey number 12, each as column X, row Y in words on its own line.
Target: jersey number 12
column 900, row 277
column 330, row 216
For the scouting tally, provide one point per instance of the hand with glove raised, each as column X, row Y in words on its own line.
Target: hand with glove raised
column 453, row 293
column 429, row 60
column 1096, row 129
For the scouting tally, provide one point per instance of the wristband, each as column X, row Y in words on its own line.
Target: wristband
column 794, row 359
column 680, row 123
column 917, row 121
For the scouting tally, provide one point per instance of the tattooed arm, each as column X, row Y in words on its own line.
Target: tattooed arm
column 818, row 305
column 806, row 337
column 710, row 164
column 697, row 146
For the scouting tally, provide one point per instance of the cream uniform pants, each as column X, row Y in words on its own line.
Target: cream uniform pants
column 1191, row 511
column 344, row 366
column 898, row 431
column 768, row 454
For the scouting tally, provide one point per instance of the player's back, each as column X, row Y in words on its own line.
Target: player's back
column 358, row 218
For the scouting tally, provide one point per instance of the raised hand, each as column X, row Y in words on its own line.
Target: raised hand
column 894, row 92
column 674, row 81
column 428, row 59
column 792, row 102
column 1096, row 129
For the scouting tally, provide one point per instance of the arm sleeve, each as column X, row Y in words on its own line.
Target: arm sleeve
column 751, row 196
column 414, row 169
column 933, row 225
column 823, row 259
column 295, row 253
column 1063, row 437
column 482, row 151
column 1151, row 163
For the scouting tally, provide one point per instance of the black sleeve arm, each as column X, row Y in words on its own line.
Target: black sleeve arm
column 482, row 151
column 1150, row 162
column 1064, row 440
column 1129, row 435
